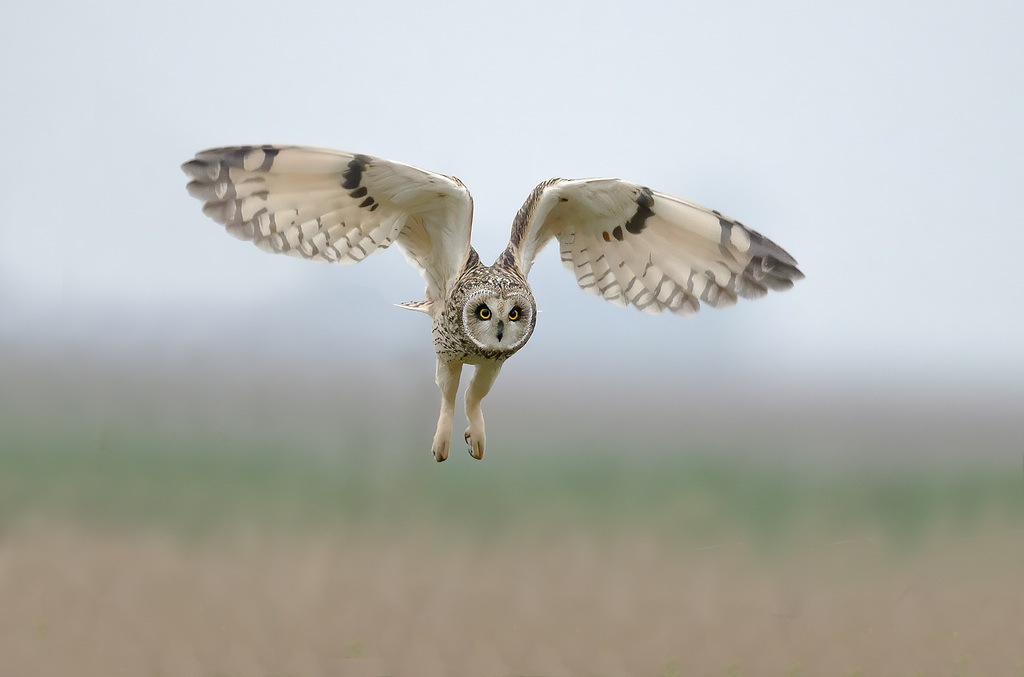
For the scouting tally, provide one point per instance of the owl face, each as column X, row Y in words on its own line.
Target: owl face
column 499, row 321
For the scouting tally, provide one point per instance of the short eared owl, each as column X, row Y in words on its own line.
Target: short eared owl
column 624, row 242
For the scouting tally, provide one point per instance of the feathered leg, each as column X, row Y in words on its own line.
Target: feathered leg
column 448, row 374
column 479, row 386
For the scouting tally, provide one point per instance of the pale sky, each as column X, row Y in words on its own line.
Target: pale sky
column 880, row 143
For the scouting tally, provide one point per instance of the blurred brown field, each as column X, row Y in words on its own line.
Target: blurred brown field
column 82, row 600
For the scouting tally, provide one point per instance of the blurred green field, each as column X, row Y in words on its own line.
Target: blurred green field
column 191, row 486
column 188, row 445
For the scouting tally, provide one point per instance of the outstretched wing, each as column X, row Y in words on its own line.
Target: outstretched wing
column 328, row 205
column 632, row 245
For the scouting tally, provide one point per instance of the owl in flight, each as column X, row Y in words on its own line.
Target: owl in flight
column 624, row 242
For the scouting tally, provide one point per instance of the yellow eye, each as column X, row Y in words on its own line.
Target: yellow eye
column 514, row 315
column 484, row 312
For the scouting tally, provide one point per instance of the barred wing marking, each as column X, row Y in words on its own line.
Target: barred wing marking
column 327, row 205
column 631, row 245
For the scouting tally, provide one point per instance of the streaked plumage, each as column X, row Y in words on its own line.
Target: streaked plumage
column 624, row 242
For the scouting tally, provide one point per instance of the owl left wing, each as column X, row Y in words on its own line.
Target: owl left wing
column 327, row 205
column 631, row 245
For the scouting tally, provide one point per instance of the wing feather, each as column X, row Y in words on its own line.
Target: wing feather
column 327, row 205
column 631, row 245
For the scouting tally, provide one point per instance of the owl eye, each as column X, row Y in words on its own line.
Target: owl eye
column 483, row 312
column 514, row 315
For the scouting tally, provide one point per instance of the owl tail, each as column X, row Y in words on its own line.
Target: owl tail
column 422, row 306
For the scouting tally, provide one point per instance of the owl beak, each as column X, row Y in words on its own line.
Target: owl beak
column 501, row 329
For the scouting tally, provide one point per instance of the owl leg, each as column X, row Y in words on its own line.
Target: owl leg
column 479, row 386
column 448, row 374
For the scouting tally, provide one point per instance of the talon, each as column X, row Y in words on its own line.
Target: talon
column 476, row 449
column 440, row 450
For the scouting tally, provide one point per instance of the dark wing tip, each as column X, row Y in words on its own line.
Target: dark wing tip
column 200, row 169
column 771, row 273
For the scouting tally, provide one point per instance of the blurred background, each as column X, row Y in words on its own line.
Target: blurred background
column 215, row 461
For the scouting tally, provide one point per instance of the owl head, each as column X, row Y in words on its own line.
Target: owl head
column 499, row 320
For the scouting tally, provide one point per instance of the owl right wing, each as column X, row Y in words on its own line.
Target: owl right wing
column 327, row 205
column 635, row 246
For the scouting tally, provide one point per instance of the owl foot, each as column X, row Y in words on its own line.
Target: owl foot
column 476, row 444
column 441, row 446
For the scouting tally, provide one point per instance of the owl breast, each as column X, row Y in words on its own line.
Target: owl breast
column 489, row 316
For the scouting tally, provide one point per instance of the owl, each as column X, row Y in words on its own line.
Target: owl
column 624, row 242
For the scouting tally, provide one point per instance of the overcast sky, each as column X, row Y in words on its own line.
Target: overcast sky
column 881, row 143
